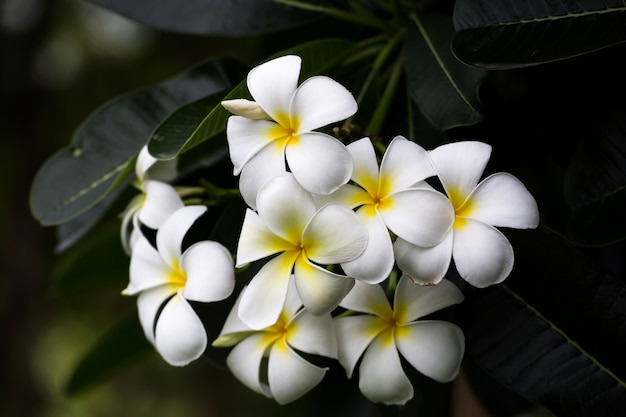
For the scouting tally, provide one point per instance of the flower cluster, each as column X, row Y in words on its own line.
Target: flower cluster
column 330, row 229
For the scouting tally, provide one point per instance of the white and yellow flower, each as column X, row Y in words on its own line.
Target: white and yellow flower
column 288, row 375
column 157, row 201
column 482, row 254
column 277, row 129
column 165, row 279
column 289, row 224
column 435, row 348
column 393, row 197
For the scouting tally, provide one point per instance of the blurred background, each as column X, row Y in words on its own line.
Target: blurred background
column 61, row 60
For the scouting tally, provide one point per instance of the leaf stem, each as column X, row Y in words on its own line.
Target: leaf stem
column 383, row 106
column 367, row 19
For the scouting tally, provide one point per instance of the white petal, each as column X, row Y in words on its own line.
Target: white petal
column 320, row 290
column 264, row 297
column 246, row 137
column 413, row 301
column 289, row 375
column 210, row 272
column 354, row 334
column 459, row 166
column 368, row 298
column 320, row 101
column 502, row 200
column 320, row 163
column 347, row 195
column 170, row 236
column 256, row 241
column 404, row 164
column 179, row 335
column 234, row 330
column 244, row 361
column 161, row 201
column 273, row 83
column 422, row 217
column 129, row 214
column 365, row 171
column 285, row 207
column 268, row 163
column 424, row 265
column 148, row 304
column 147, row 268
column 313, row 334
column 482, row 254
column 334, row 234
column 293, row 303
column 143, row 163
column 382, row 378
column 435, row 348
column 375, row 264
column 245, row 108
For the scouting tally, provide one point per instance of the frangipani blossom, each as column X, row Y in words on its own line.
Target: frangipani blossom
column 166, row 278
column 261, row 148
column 289, row 224
column 435, row 348
column 157, row 201
column 393, row 197
column 482, row 254
column 288, row 375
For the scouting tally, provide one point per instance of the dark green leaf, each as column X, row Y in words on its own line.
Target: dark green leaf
column 218, row 17
column 595, row 180
column 317, row 57
column 121, row 346
column 554, row 332
column 444, row 89
column 79, row 176
column 497, row 34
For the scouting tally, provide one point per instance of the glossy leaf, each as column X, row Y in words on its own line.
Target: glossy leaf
column 317, row 57
column 595, row 180
column 444, row 89
column 554, row 332
column 215, row 17
column 498, row 34
column 118, row 348
column 79, row 176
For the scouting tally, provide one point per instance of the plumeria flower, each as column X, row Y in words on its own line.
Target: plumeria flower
column 157, row 201
column 435, row 348
column 166, row 278
column 277, row 129
column 288, row 376
column 482, row 254
column 305, row 239
column 393, row 197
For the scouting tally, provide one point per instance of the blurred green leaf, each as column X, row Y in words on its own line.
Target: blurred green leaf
column 497, row 34
column 595, row 180
column 554, row 332
column 79, row 176
column 444, row 89
column 216, row 17
column 118, row 348
column 317, row 57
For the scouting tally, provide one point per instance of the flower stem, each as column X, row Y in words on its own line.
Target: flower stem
column 383, row 106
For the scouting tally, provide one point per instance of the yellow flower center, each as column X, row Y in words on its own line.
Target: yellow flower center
column 462, row 207
column 177, row 277
column 277, row 331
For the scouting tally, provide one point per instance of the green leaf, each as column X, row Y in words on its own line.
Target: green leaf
column 554, row 332
column 79, row 176
column 497, row 34
column 317, row 57
column 118, row 348
column 595, row 179
column 444, row 89
column 217, row 17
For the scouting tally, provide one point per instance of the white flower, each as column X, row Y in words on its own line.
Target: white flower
column 288, row 375
column 289, row 224
column 482, row 254
column 157, row 201
column 166, row 278
column 435, row 348
column 393, row 197
column 260, row 149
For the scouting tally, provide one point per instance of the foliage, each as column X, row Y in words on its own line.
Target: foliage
column 542, row 82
